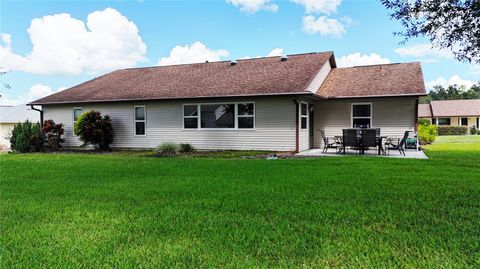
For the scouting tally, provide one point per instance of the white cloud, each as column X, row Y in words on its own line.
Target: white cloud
column 35, row 92
column 455, row 79
column 357, row 59
column 252, row 6
column 319, row 6
column 194, row 53
column 425, row 52
column 276, row 52
column 65, row 45
column 474, row 70
column 323, row 26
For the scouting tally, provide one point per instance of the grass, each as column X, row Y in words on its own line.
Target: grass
column 114, row 210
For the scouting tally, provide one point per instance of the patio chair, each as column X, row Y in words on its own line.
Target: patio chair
column 369, row 139
column 397, row 145
column 328, row 143
column 350, row 139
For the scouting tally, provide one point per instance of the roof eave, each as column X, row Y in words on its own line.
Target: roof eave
column 372, row 96
column 168, row 98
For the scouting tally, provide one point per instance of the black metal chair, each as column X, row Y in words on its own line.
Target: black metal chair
column 397, row 145
column 327, row 143
column 369, row 139
column 350, row 139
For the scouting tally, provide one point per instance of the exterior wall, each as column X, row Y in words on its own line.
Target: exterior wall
column 274, row 125
column 454, row 121
column 319, row 78
column 5, row 130
column 394, row 115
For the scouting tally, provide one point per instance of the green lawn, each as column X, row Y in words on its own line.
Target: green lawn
column 88, row 210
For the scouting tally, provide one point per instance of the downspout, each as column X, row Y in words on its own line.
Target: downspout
column 41, row 113
column 416, row 115
column 297, row 129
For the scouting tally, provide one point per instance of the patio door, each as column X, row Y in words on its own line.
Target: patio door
column 311, row 124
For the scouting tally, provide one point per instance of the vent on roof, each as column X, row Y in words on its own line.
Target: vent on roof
column 284, row 58
column 233, row 62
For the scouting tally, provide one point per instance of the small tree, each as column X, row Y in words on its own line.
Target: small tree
column 94, row 129
column 53, row 134
column 26, row 137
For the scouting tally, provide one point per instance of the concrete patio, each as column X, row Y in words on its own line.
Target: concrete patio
column 409, row 154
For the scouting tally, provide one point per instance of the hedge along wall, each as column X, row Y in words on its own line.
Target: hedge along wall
column 452, row 130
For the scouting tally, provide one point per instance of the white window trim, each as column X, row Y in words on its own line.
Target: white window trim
column 371, row 113
column 73, row 113
column 236, row 116
column 190, row 117
column 304, row 116
column 135, row 120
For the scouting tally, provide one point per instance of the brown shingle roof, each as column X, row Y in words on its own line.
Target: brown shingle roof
column 456, row 108
column 251, row 77
column 424, row 111
column 374, row 80
column 260, row 76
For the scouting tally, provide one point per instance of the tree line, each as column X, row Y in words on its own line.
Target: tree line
column 452, row 92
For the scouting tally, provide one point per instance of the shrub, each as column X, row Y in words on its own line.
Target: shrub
column 424, row 122
column 94, row 129
column 186, row 148
column 26, row 137
column 452, row 130
column 53, row 134
column 427, row 134
column 473, row 130
column 168, row 149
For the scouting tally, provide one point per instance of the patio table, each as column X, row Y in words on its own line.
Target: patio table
column 359, row 142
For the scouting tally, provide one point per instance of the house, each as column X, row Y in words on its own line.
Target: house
column 270, row 103
column 452, row 112
column 9, row 116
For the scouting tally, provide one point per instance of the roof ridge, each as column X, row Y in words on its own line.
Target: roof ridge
column 372, row 65
column 222, row 61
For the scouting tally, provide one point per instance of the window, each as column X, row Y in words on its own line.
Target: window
column 77, row 111
column 362, row 115
column 304, row 115
column 443, row 121
column 140, row 120
column 190, row 116
column 219, row 116
column 464, row 121
column 246, row 116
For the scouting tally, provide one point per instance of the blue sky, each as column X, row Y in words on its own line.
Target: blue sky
column 51, row 45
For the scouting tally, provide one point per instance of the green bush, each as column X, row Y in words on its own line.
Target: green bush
column 186, row 148
column 94, row 129
column 168, row 149
column 424, row 122
column 473, row 130
column 427, row 134
column 26, row 137
column 452, row 130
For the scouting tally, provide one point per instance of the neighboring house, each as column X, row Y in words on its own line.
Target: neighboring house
column 452, row 112
column 270, row 103
column 9, row 116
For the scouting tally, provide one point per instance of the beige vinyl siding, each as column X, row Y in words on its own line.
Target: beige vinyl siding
column 319, row 78
column 274, row 125
column 393, row 115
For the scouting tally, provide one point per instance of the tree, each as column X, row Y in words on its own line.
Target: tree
column 448, row 24
column 94, row 129
column 452, row 92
